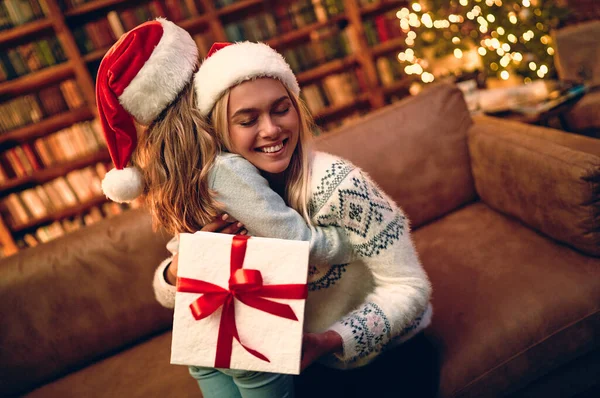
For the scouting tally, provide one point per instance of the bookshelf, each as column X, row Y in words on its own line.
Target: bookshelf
column 49, row 139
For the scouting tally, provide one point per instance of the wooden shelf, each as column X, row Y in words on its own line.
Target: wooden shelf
column 398, row 86
column 18, row 33
column 34, row 81
column 92, row 6
column 394, row 44
column 382, row 7
column 95, row 55
column 195, row 23
column 238, row 6
column 46, row 126
column 59, row 215
column 337, row 110
column 301, row 33
column 42, row 176
column 319, row 72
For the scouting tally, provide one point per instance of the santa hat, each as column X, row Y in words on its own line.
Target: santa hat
column 228, row 64
column 138, row 78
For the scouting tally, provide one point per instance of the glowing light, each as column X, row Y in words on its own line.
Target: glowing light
column 550, row 51
column 526, row 3
column 504, row 75
column 483, row 29
column 470, row 15
column 544, row 69
column 491, row 18
column 458, row 53
column 545, row 39
column 506, row 47
column 540, row 73
column 482, row 51
column 532, row 65
column 500, row 52
column 500, row 30
column 495, row 43
column 527, row 80
column 517, row 57
column 505, row 61
column 403, row 13
column 455, row 40
column 427, row 77
column 427, row 21
column 416, row 7
column 494, row 66
column 464, row 3
column 512, row 17
column 512, row 38
column 489, row 3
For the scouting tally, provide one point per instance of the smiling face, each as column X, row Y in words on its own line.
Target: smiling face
column 263, row 124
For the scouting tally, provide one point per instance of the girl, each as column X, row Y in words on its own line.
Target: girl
column 247, row 105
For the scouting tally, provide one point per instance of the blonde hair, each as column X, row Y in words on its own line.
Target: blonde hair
column 297, row 175
column 176, row 176
column 175, row 155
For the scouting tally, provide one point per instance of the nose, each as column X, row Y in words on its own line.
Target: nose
column 268, row 128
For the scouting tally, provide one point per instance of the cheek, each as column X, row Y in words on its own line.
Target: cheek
column 239, row 139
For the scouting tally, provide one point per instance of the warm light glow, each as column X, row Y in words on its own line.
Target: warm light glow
column 427, row 77
column 403, row 13
column 464, row 2
column 458, row 53
column 455, row 40
column 500, row 52
column 506, row 47
column 517, row 57
column 491, row 18
column 512, row 38
column 494, row 66
column 526, row 3
column 500, row 30
column 545, row 39
column 550, row 51
column 482, row 51
column 416, row 7
column 532, row 65
column 504, row 75
column 505, row 61
column 544, row 69
column 540, row 73
column 512, row 17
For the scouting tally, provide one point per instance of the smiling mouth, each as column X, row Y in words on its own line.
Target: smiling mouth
column 273, row 148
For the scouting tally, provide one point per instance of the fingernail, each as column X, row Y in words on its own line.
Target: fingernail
column 225, row 217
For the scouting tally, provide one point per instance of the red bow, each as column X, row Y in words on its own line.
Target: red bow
column 246, row 285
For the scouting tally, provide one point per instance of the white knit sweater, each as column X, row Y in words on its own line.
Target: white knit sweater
column 379, row 296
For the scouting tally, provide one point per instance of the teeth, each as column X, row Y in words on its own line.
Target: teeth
column 271, row 149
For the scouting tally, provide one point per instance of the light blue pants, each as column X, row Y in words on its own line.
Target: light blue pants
column 233, row 383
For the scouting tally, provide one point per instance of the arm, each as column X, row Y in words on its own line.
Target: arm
column 379, row 234
column 248, row 198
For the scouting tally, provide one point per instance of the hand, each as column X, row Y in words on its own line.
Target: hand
column 223, row 224
column 316, row 345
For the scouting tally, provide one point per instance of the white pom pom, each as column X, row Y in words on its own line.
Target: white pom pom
column 123, row 185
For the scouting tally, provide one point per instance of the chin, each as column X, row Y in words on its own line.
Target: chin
column 274, row 168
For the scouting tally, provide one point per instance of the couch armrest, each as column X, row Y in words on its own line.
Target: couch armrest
column 548, row 179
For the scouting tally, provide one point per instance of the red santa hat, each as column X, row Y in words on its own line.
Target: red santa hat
column 229, row 64
column 142, row 73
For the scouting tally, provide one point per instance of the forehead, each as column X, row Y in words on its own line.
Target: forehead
column 255, row 93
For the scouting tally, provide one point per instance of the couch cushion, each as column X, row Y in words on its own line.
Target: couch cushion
column 141, row 371
column 548, row 179
column 509, row 304
column 416, row 150
column 55, row 315
column 585, row 114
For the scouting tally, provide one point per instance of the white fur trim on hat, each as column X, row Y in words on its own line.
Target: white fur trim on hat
column 123, row 185
column 236, row 63
column 163, row 76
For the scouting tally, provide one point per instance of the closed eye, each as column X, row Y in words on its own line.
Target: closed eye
column 248, row 123
column 282, row 111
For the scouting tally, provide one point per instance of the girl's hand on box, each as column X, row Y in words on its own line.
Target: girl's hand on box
column 316, row 345
column 224, row 224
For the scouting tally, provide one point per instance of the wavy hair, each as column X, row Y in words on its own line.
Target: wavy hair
column 175, row 155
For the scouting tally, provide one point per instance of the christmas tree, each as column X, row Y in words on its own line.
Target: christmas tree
column 505, row 36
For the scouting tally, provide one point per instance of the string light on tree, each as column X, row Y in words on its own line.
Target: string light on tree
column 508, row 35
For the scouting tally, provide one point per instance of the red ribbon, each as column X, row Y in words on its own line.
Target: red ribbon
column 246, row 285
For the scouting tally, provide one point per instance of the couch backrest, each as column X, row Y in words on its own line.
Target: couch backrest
column 54, row 315
column 416, row 150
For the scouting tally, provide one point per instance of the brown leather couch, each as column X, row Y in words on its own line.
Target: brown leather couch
column 506, row 219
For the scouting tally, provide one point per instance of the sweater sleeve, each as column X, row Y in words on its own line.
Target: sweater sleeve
column 163, row 291
column 379, row 234
column 248, row 197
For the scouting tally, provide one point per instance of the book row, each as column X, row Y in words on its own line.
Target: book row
column 46, row 102
column 30, row 57
column 76, row 187
column 389, row 69
column 18, row 12
column 382, row 28
column 71, row 143
column 336, row 89
column 60, row 228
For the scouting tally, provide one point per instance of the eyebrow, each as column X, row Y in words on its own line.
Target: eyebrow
column 250, row 110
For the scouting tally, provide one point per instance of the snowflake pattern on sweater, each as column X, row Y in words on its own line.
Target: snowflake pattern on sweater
column 369, row 327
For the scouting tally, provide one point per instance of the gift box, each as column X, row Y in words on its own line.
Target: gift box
column 240, row 302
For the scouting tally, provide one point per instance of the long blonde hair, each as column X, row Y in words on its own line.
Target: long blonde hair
column 297, row 175
column 175, row 155
column 176, row 176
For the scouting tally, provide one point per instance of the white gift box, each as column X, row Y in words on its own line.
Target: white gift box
column 206, row 256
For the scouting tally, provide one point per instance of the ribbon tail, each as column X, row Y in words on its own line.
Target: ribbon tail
column 272, row 307
column 225, row 338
